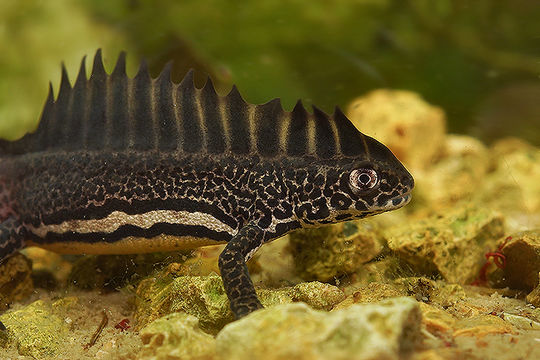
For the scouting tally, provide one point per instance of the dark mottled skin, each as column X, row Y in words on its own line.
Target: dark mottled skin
column 246, row 194
column 87, row 185
column 124, row 149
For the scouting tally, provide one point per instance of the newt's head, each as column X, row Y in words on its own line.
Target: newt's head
column 361, row 178
column 375, row 183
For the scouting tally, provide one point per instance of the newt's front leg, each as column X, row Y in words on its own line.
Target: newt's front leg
column 232, row 264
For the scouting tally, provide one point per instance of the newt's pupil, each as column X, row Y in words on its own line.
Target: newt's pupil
column 364, row 179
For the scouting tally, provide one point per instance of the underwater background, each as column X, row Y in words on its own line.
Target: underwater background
column 478, row 60
column 452, row 87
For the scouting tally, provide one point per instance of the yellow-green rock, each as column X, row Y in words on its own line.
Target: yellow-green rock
column 451, row 245
column 512, row 186
column 15, row 280
column 463, row 162
column 205, row 298
column 371, row 293
column 334, row 250
column 385, row 330
column 419, row 288
column 318, row 295
column 36, row 330
column 436, row 320
column 522, row 252
column 521, row 322
column 431, row 291
column 482, row 325
column 200, row 296
column 176, row 336
column 534, row 296
column 403, row 121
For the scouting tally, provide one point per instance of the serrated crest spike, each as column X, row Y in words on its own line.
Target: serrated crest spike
column 299, row 107
column 276, row 102
column 209, row 85
column 318, row 112
column 338, row 113
column 187, row 81
column 340, row 117
column 98, row 70
column 165, row 74
column 120, row 67
column 50, row 95
column 65, row 85
column 81, row 76
column 235, row 94
column 143, row 71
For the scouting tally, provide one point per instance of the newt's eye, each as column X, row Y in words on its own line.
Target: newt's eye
column 363, row 179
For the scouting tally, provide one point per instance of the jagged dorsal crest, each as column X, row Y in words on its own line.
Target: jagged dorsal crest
column 115, row 112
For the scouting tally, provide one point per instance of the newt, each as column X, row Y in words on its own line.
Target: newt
column 123, row 165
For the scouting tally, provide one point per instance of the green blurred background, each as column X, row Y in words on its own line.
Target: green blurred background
column 479, row 60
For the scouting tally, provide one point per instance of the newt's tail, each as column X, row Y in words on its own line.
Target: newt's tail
column 11, row 238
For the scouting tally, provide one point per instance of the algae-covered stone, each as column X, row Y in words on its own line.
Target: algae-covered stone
column 36, row 330
column 534, row 296
column 451, row 245
column 200, row 296
column 462, row 164
column 403, row 121
column 317, row 295
column 372, row 292
column 15, row 280
column 521, row 169
column 431, row 291
column 386, row 330
column 334, row 250
column 512, row 186
column 205, row 298
column 521, row 322
column 421, row 289
column 522, row 252
column 176, row 336
column 436, row 320
column 482, row 325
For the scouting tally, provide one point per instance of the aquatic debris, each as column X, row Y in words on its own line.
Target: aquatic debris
column 122, row 325
column 498, row 259
column 95, row 336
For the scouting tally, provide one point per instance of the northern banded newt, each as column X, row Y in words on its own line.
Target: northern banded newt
column 124, row 165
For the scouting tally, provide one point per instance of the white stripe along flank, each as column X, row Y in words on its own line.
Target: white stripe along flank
column 116, row 219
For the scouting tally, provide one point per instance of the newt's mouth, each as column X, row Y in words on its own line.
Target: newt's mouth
column 400, row 200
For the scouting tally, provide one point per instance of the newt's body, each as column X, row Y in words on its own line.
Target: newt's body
column 120, row 165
